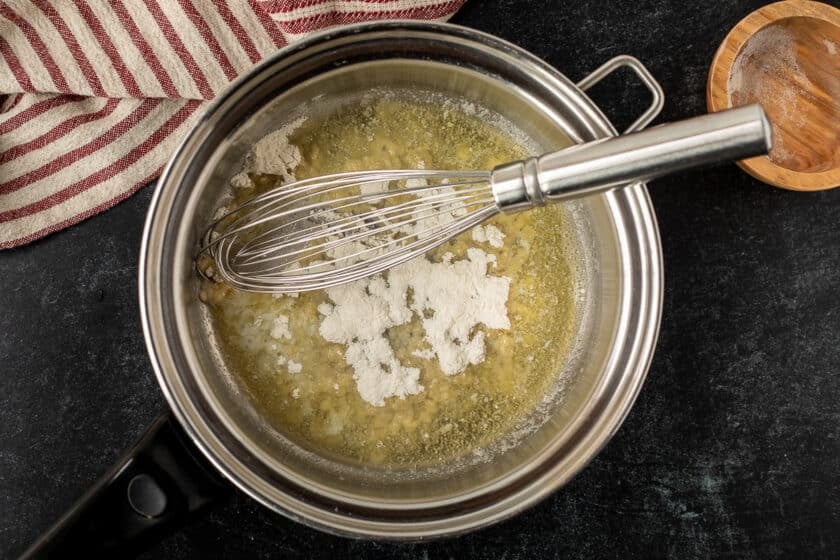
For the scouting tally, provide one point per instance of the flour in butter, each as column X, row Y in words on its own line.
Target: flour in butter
column 450, row 298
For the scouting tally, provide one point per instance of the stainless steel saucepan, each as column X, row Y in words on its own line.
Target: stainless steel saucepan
column 215, row 438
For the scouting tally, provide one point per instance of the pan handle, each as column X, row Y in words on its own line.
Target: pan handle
column 150, row 492
column 610, row 66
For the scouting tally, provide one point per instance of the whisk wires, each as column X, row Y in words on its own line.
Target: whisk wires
column 321, row 232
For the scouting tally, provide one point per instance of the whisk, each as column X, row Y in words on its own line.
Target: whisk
column 329, row 230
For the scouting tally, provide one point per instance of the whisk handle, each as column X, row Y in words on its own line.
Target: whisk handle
column 602, row 165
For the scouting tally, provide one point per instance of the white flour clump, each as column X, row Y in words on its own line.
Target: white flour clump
column 451, row 298
column 280, row 329
column 359, row 320
column 272, row 154
column 489, row 234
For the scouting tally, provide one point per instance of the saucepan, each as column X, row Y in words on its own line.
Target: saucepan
column 214, row 439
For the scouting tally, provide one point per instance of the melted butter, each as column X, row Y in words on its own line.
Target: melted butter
column 320, row 407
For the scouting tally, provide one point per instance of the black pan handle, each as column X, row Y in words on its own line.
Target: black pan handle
column 151, row 491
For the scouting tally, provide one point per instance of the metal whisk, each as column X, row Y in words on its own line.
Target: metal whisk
column 333, row 229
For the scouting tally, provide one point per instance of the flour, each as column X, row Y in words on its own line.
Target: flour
column 427, row 224
column 450, row 298
column 359, row 320
column 239, row 181
column 286, row 294
column 292, row 366
column 272, row 154
column 374, row 188
column 275, row 154
column 280, row 329
column 489, row 234
column 425, row 353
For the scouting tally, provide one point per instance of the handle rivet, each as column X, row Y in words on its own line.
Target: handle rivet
column 146, row 497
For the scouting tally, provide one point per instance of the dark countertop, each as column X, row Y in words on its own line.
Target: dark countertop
column 732, row 449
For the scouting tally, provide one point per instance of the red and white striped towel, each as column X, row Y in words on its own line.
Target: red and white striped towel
column 96, row 94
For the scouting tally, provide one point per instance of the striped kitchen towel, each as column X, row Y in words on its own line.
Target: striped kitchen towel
column 96, row 94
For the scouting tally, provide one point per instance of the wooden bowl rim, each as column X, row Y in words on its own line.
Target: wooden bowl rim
column 717, row 96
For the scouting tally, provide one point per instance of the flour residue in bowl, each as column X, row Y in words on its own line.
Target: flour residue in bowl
column 792, row 68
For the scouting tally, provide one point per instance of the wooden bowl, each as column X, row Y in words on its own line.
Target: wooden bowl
column 786, row 56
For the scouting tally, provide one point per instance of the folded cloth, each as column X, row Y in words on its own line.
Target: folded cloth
column 96, row 94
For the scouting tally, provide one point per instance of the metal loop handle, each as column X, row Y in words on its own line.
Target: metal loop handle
column 644, row 75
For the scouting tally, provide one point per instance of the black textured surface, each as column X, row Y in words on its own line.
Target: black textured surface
column 733, row 448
